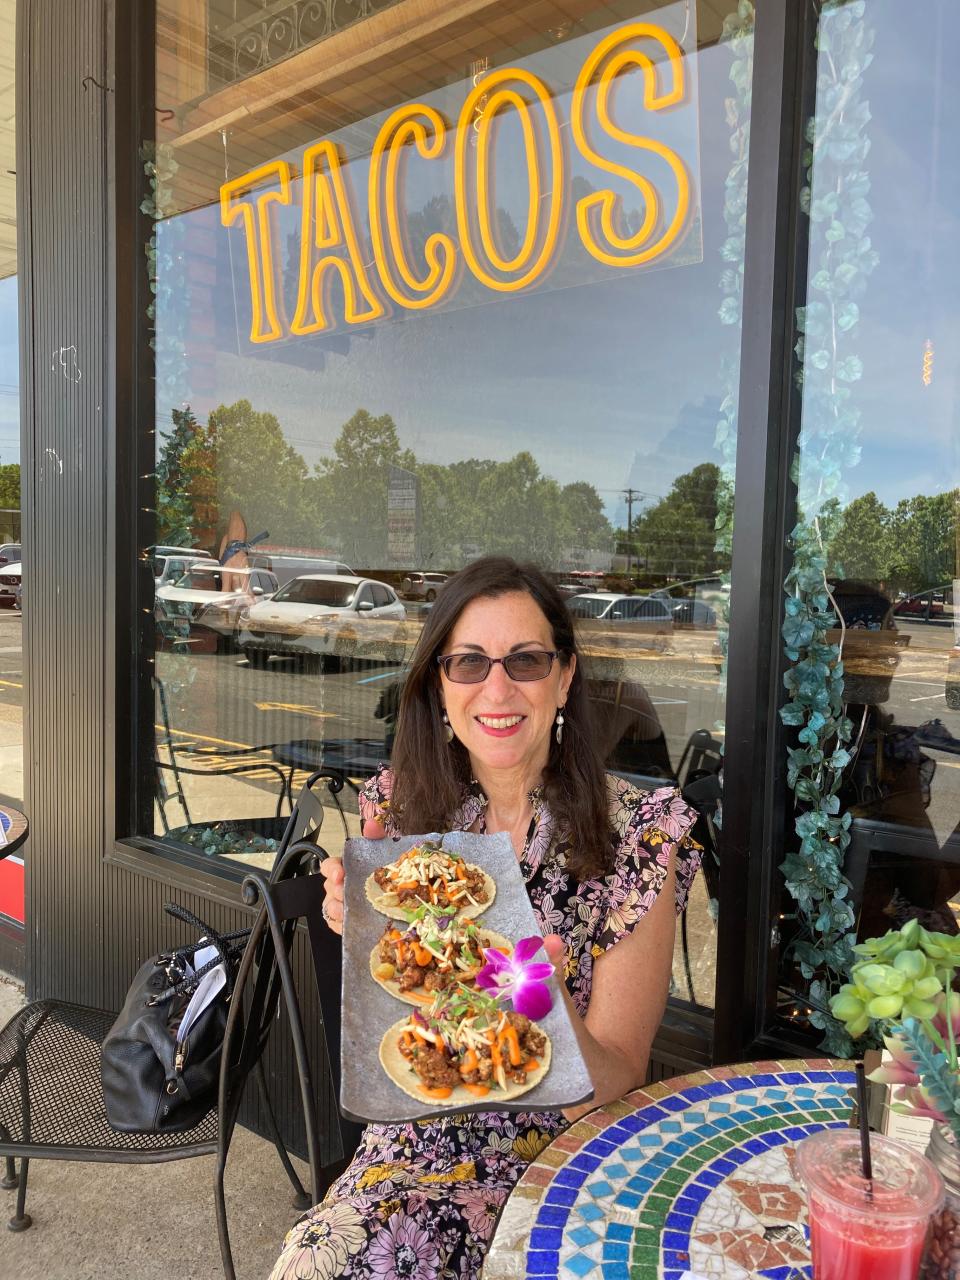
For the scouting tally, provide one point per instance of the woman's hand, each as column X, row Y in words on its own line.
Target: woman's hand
column 332, row 871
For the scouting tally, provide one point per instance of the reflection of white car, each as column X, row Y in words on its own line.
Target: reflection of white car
column 10, row 584
column 168, row 568
column 328, row 615
column 616, row 621
column 207, row 602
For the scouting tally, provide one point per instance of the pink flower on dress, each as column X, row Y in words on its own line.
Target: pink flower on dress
column 403, row 1250
column 669, row 811
column 480, row 1210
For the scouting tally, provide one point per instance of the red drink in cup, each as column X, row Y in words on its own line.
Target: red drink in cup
column 861, row 1231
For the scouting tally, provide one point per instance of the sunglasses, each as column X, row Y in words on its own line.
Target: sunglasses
column 473, row 668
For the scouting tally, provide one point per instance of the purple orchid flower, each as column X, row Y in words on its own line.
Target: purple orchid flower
column 519, row 978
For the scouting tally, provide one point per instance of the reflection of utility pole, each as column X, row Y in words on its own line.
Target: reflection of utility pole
column 630, row 495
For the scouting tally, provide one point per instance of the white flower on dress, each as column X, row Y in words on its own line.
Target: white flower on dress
column 318, row 1247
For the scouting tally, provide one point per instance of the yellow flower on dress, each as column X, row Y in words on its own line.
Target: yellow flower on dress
column 378, row 1173
column 596, row 950
column 387, row 1208
column 655, row 837
column 464, row 1172
column 529, row 1145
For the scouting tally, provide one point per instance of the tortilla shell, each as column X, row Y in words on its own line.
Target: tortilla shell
column 403, row 1075
column 377, row 898
column 497, row 940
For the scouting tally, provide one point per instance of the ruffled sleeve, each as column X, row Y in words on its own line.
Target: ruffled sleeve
column 374, row 799
column 651, row 825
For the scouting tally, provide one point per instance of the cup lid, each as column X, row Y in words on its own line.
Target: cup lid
column 905, row 1184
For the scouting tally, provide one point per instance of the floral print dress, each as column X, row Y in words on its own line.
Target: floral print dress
column 420, row 1201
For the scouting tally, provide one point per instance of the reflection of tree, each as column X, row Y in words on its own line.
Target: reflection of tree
column 10, row 486
column 241, row 462
column 677, row 537
column 909, row 548
column 352, row 486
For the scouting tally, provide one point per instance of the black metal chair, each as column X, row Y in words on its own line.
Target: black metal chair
column 51, row 1102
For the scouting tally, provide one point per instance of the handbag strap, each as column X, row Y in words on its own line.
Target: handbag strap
column 229, row 947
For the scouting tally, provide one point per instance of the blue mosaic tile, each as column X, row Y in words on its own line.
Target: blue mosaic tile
column 580, row 1264
column 715, row 1087
column 670, row 1126
column 590, row 1211
column 708, row 1178
column 649, row 1140
column 628, row 1199
column 600, row 1147
column 675, row 1240
column 619, row 1231
column 600, row 1190
column 652, row 1114
column 793, row 1077
column 678, row 1221
column 543, row 1263
column 570, row 1177
column 546, row 1238
column 584, row 1161
column 764, row 1080
column 552, row 1215
column 616, row 1171
column 632, row 1124
column 615, row 1270
column 619, row 1133
column 725, row 1122
column 719, row 1106
column 675, row 1102
column 583, row 1236
column 616, row 1251
column 632, row 1154
column 560, row 1195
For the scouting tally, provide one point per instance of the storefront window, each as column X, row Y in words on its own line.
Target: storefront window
column 430, row 285
column 876, row 543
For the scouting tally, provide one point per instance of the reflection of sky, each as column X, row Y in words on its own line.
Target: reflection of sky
column 910, row 432
column 9, row 373
column 618, row 381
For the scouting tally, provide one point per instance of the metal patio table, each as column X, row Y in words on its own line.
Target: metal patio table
column 13, row 830
column 694, row 1174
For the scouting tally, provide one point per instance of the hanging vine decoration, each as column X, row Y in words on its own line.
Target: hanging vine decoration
column 738, row 40
column 841, row 259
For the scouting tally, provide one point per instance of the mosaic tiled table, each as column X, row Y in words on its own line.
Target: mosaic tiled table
column 692, row 1175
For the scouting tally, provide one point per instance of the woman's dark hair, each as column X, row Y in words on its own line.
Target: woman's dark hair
column 431, row 775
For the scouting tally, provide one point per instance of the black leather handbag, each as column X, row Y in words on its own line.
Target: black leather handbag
column 154, row 1079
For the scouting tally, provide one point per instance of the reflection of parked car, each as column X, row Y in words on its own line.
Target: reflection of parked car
column 327, row 615
column 928, row 604
column 694, row 613
column 570, row 588
column 607, row 621
column 288, row 567
column 10, row 553
column 10, row 585
column 203, row 607
column 168, row 568
column 422, row 586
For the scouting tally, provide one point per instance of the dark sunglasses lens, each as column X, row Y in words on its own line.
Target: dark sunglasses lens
column 467, row 668
column 532, row 665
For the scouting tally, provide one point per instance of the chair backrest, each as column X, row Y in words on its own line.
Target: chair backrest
column 292, row 894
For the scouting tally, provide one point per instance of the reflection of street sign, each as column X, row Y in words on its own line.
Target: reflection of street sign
column 403, row 517
column 4, row 827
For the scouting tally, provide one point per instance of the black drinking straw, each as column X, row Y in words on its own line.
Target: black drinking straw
column 866, row 1163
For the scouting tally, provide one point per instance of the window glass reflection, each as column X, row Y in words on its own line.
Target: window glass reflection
column 462, row 301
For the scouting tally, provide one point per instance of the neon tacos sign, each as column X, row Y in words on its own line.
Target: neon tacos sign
column 389, row 274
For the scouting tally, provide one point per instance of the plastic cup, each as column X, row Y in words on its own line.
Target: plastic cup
column 861, row 1232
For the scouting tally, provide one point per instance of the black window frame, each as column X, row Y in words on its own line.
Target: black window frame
column 755, row 807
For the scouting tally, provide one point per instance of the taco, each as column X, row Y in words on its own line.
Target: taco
column 465, row 1047
column 435, row 952
column 429, row 873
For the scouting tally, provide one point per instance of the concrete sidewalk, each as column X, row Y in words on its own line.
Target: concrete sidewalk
column 145, row 1222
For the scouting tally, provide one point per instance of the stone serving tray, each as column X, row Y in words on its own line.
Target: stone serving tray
column 366, row 1091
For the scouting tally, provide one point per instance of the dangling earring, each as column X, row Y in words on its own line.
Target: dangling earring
column 559, row 725
column 447, row 731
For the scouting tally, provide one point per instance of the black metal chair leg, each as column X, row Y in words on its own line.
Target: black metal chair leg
column 10, row 1179
column 301, row 1200
column 22, row 1220
column 227, row 1123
